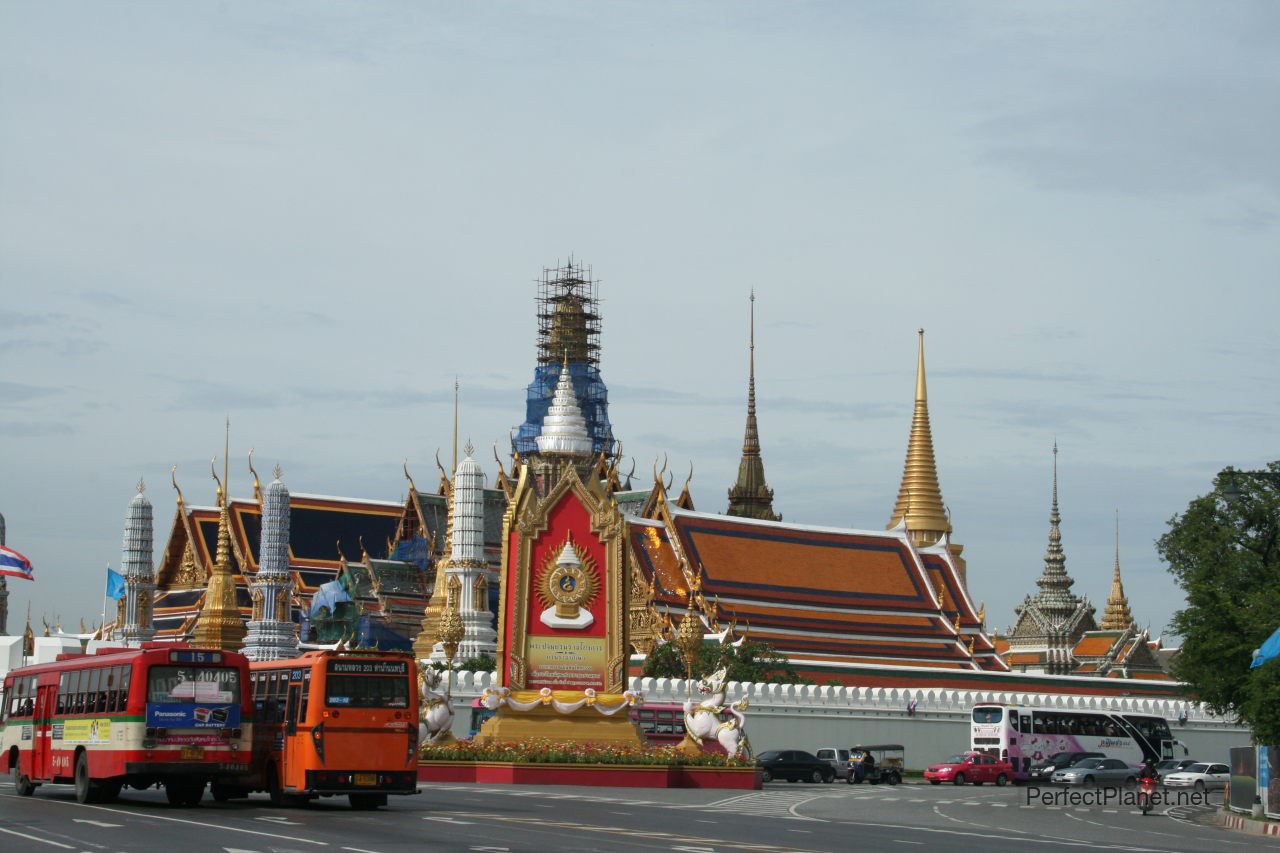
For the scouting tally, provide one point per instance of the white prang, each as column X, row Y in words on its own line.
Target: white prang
column 564, row 430
column 270, row 637
column 136, row 568
column 467, row 565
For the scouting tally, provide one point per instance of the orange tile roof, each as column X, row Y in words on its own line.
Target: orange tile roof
column 1093, row 645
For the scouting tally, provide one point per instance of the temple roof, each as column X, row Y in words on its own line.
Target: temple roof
column 816, row 593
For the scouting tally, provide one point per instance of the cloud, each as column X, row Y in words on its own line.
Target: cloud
column 35, row 429
column 14, row 392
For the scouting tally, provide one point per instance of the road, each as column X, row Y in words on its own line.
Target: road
column 783, row 818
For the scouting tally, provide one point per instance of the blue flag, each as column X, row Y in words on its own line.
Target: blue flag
column 115, row 584
column 1269, row 650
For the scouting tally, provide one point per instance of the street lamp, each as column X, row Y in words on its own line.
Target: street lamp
column 1232, row 493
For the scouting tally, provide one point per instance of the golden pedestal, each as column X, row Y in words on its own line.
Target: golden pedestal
column 585, row 725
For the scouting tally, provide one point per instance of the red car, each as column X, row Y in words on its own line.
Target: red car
column 970, row 767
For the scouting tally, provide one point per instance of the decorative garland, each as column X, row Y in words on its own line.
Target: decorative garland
column 564, row 701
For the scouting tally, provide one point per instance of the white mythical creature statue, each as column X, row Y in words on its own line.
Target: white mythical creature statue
column 436, row 709
column 702, row 719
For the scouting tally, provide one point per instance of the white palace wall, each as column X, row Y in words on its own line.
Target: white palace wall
column 806, row 716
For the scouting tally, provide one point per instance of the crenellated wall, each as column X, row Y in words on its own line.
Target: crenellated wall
column 808, row 716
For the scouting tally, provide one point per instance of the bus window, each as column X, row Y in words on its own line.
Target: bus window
column 182, row 684
column 291, row 710
column 91, row 696
column 306, row 695
column 988, row 715
column 1013, row 721
column 366, row 691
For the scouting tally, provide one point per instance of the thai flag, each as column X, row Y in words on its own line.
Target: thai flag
column 911, row 706
column 13, row 563
column 1182, row 718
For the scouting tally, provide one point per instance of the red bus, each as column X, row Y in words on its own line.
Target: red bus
column 161, row 714
column 330, row 723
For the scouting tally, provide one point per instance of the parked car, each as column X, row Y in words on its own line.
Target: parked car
column 837, row 757
column 794, row 765
column 1044, row 770
column 1173, row 765
column 970, row 767
column 1202, row 777
column 1097, row 773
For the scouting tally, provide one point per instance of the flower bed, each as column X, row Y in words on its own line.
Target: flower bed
column 608, row 765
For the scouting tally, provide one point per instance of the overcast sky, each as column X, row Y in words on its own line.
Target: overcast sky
column 310, row 217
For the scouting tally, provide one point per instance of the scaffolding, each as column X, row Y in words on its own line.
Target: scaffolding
column 568, row 328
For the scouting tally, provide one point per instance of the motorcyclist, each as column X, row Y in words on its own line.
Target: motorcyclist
column 1148, row 770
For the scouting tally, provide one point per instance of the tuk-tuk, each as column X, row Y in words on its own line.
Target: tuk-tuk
column 875, row 764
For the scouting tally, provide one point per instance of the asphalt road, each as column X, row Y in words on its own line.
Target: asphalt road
column 783, row 818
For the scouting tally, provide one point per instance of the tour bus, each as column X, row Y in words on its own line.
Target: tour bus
column 160, row 714
column 334, row 722
column 1026, row 735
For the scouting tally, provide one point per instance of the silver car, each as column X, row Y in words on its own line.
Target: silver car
column 1202, row 777
column 1097, row 773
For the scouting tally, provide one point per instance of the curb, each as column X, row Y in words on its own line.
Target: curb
column 1238, row 823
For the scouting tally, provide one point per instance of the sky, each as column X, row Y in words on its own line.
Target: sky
column 309, row 218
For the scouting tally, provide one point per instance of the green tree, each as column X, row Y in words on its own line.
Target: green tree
column 747, row 661
column 1224, row 551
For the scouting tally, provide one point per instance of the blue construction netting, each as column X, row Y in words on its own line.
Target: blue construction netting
column 592, row 395
column 415, row 550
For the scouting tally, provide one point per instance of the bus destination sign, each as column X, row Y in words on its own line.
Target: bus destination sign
column 369, row 667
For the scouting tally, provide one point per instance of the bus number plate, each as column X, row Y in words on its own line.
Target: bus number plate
column 193, row 752
column 366, row 778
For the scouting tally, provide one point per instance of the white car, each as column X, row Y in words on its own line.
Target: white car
column 1202, row 777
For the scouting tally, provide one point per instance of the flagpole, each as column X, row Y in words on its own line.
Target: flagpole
column 103, row 624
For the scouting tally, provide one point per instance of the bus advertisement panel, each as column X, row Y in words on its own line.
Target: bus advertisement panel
column 162, row 713
column 334, row 722
column 1024, row 736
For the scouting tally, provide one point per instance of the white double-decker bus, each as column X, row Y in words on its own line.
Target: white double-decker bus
column 1024, row 735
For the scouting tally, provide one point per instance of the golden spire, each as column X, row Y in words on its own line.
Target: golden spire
column 1117, row 616
column 219, row 624
column 920, row 498
column 257, row 486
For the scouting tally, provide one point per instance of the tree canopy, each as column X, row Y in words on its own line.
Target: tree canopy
column 747, row 661
column 1224, row 551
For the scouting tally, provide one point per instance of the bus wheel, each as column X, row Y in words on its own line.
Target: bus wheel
column 86, row 788
column 184, row 792
column 22, row 783
column 366, row 802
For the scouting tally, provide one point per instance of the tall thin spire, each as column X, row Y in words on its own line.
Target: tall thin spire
column 1117, row 616
column 750, row 496
column 564, row 431
column 4, row 592
column 1055, row 597
column 920, row 497
column 219, row 625
column 455, row 423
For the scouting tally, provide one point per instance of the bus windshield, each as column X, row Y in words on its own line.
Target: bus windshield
column 987, row 715
column 187, row 684
column 367, row 691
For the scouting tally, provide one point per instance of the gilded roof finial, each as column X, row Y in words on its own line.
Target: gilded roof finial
column 213, row 472
column 919, row 502
column 257, row 486
column 412, row 487
column 173, row 475
column 142, row 485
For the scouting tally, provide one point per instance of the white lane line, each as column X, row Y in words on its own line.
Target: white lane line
column 144, row 816
column 359, row 850
column 37, row 838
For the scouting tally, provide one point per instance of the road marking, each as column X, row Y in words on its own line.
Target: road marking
column 449, row 820
column 281, row 819
column 37, row 838
column 358, row 850
column 95, row 822
column 900, row 841
column 153, row 816
column 999, row 805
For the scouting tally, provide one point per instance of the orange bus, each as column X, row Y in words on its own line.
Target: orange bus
column 161, row 714
column 333, row 722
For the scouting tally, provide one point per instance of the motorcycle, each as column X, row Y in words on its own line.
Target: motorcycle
column 1146, row 794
